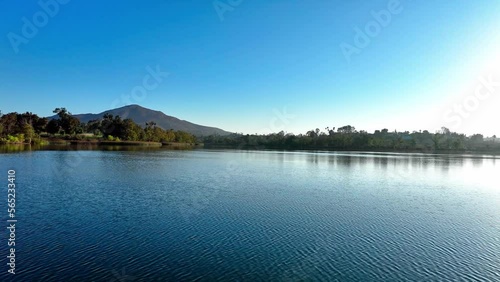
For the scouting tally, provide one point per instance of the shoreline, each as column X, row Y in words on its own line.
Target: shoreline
column 366, row 150
column 139, row 145
column 77, row 143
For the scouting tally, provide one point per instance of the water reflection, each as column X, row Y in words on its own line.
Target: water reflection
column 16, row 148
column 312, row 158
column 477, row 162
column 254, row 215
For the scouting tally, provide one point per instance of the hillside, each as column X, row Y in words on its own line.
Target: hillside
column 141, row 115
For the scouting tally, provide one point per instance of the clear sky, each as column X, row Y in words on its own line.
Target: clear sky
column 257, row 66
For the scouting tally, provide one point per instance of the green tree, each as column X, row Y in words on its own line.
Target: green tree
column 9, row 122
column 29, row 132
column 436, row 139
column 40, row 124
column 149, row 131
column 67, row 122
column 53, row 126
column 346, row 129
column 132, row 131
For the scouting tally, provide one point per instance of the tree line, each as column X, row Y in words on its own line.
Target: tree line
column 29, row 128
column 21, row 128
column 348, row 138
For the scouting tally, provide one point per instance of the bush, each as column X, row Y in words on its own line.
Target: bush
column 39, row 141
column 14, row 139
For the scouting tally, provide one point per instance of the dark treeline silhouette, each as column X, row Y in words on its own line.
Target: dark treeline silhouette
column 348, row 138
column 28, row 128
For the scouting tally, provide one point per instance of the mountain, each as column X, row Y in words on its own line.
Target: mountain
column 141, row 115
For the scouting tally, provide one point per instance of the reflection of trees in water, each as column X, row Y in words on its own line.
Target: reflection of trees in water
column 278, row 156
column 13, row 148
column 477, row 162
column 344, row 160
column 312, row 158
column 420, row 162
column 381, row 162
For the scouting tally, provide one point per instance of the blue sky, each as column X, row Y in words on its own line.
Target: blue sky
column 239, row 65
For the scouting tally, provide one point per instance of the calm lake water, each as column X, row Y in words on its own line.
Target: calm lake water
column 202, row 215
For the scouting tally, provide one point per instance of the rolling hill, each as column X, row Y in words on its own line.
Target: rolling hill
column 141, row 115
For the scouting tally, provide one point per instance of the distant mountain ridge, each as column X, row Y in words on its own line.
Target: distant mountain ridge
column 141, row 115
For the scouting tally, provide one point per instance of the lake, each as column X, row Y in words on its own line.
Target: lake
column 202, row 215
